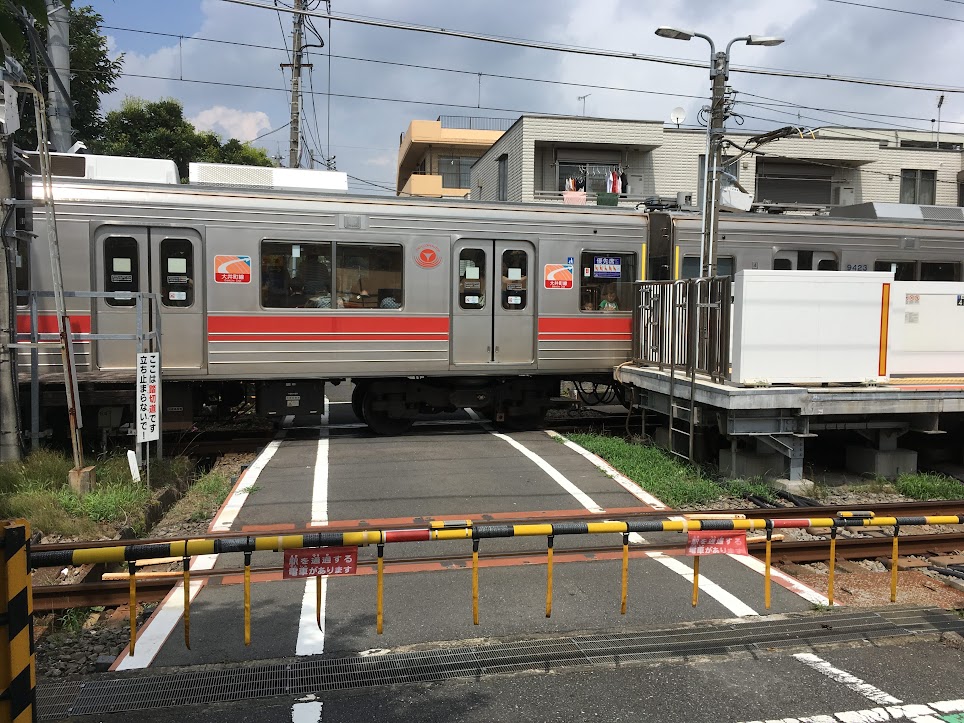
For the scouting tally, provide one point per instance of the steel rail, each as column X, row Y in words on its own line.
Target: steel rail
column 152, row 589
column 891, row 509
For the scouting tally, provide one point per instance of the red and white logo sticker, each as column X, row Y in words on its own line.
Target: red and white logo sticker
column 232, row 269
column 558, row 276
column 428, row 256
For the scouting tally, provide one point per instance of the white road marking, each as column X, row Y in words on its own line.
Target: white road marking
column 559, row 478
column 319, row 494
column 229, row 512
column 306, row 712
column 155, row 632
column 851, row 681
column 791, row 583
column 627, row 484
column 311, row 638
column 728, row 600
column 916, row 713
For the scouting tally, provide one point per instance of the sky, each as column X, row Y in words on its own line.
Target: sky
column 355, row 109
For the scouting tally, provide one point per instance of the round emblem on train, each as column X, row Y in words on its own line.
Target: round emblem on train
column 428, row 256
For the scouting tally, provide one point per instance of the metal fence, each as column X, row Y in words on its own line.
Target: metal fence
column 684, row 325
column 476, row 123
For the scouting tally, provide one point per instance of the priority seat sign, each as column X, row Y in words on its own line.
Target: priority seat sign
column 315, row 561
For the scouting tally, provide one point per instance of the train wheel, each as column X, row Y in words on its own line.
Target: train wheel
column 358, row 401
column 380, row 422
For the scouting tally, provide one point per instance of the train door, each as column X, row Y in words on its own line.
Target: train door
column 162, row 261
column 493, row 305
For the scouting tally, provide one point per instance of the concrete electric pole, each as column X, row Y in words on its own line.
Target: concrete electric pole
column 58, row 94
column 296, row 50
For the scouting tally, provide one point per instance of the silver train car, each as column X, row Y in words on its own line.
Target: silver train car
column 426, row 305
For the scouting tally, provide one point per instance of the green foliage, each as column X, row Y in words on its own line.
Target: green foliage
column 11, row 13
column 929, row 487
column 673, row 482
column 205, row 496
column 93, row 74
column 158, row 129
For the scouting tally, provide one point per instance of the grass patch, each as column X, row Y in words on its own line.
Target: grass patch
column 929, row 487
column 674, row 482
column 205, row 497
column 37, row 489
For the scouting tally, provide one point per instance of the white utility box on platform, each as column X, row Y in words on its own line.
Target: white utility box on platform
column 926, row 329
column 808, row 327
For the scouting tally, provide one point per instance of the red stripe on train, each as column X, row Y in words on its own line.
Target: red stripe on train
column 591, row 325
column 353, row 326
column 47, row 323
column 328, row 337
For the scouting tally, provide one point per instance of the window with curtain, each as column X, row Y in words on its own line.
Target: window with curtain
column 918, row 186
column 455, row 170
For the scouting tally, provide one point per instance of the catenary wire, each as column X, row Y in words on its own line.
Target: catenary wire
column 599, row 52
column 896, row 10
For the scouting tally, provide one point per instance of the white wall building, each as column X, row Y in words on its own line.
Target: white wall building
column 533, row 159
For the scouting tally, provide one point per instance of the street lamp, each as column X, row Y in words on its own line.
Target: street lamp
column 719, row 72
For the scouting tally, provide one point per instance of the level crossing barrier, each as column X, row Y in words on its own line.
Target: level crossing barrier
column 465, row 530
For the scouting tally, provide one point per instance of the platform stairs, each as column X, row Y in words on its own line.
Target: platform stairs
column 682, row 327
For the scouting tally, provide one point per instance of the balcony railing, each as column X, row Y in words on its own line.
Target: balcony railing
column 476, row 123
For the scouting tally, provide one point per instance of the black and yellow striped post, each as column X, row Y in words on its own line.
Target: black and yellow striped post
column 625, row 585
column 766, row 573
column 380, row 589
column 549, row 543
column 17, row 663
column 893, row 565
column 833, row 562
column 475, row 580
column 247, row 597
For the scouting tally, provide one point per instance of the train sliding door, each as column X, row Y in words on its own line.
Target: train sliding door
column 493, row 305
column 164, row 261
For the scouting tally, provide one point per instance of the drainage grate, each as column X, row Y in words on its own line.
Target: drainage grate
column 316, row 675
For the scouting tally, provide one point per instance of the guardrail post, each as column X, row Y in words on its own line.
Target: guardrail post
column 18, row 676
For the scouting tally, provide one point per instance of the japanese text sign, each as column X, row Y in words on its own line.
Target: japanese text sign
column 607, row 267
column 311, row 562
column 716, row 542
column 148, row 397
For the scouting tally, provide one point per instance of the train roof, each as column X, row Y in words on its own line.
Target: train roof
column 899, row 211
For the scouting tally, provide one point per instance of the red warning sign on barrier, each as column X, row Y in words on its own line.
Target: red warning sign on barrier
column 716, row 542
column 314, row 561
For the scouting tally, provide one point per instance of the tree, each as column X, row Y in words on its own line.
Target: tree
column 158, row 129
column 92, row 72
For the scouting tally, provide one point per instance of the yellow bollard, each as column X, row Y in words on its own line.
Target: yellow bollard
column 893, row 567
column 318, row 601
column 696, row 579
column 475, row 581
column 833, row 563
column 766, row 575
column 186, row 567
column 549, row 577
column 622, row 606
column 132, row 586
column 380, row 588
column 18, row 659
column 247, row 598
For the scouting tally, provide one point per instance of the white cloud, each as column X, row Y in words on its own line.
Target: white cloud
column 232, row 122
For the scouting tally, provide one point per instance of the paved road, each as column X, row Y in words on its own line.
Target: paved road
column 336, row 471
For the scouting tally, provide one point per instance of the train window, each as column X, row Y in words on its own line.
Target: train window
column 828, row 265
column 782, row 265
column 177, row 272
column 22, row 278
column 606, row 281
column 940, row 271
column 368, row 276
column 295, row 274
column 472, row 278
column 903, row 270
column 691, row 267
column 121, row 267
column 515, row 279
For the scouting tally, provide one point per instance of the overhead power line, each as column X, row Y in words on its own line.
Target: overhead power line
column 896, row 10
column 600, row 52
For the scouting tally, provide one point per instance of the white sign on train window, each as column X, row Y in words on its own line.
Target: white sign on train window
column 606, row 267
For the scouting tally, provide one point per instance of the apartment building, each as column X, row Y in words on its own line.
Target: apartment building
column 434, row 157
column 538, row 157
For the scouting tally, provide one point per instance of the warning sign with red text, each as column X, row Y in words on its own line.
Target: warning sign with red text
column 716, row 542
column 315, row 561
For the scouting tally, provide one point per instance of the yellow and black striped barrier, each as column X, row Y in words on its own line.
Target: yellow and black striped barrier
column 17, row 661
column 466, row 530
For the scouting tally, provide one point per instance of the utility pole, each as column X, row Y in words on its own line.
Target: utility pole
column 58, row 50
column 9, row 414
column 296, row 42
column 720, row 72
